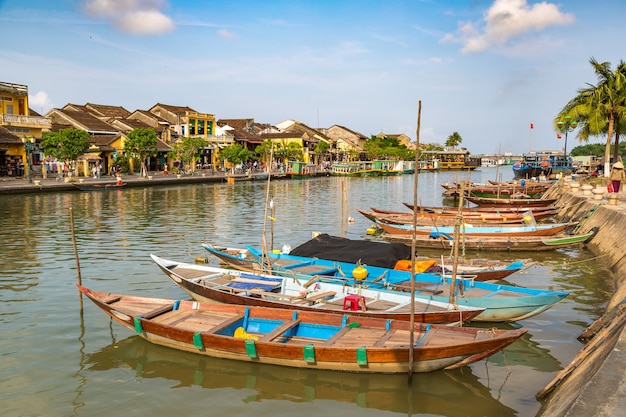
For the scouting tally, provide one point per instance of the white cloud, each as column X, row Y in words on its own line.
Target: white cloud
column 136, row 17
column 39, row 100
column 226, row 34
column 505, row 20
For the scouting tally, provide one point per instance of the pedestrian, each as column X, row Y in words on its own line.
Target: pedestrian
column 165, row 169
column 617, row 176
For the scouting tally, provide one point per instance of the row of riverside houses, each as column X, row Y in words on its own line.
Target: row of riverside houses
column 21, row 130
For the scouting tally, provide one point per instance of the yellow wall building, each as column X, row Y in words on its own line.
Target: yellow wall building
column 21, row 158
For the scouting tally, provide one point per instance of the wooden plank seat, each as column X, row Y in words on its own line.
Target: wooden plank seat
column 158, row 311
column 337, row 336
column 386, row 336
column 277, row 295
column 225, row 324
column 278, row 331
column 112, row 299
column 318, row 296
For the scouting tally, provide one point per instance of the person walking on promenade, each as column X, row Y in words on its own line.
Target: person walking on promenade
column 617, row 176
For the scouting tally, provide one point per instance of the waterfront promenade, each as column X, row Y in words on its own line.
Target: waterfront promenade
column 12, row 185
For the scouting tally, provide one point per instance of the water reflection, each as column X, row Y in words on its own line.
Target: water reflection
column 436, row 393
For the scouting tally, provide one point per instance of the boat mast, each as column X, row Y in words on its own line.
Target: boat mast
column 265, row 259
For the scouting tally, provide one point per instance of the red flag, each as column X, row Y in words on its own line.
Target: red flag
column 532, row 126
column 558, row 136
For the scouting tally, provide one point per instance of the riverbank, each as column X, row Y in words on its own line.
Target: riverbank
column 594, row 383
column 51, row 184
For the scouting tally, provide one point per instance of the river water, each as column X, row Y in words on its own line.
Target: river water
column 59, row 360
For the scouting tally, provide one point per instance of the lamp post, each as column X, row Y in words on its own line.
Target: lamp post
column 29, row 147
column 566, row 126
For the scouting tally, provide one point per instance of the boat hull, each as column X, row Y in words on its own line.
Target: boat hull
column 300, row 339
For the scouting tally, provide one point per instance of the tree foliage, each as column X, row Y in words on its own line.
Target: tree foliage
column 454, row 140
column 187, row 151
column 288, row 151
column 322, row 147
column 236, row 154
column 600, row 109
column 387, row 148
column 65, row 144
column 141, row 144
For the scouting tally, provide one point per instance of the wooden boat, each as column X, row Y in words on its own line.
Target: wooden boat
column 99, row 186
column 468, row 228
column 495, row 243
column 207, row 283
column 516, row 202
column 301, row 339
column 447, row 160
column 501, row 302
column 480, row 270
column 506, row 209
column 533, row 190
column 444, row 219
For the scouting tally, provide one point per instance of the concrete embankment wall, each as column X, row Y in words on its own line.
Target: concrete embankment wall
column 596, row 385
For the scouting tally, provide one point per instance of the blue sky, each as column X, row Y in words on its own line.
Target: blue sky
column 486, row 69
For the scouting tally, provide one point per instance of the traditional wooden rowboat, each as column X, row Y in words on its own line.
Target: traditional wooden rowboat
column 480, row 270
column 495, row 243
column 301, row 339
column 469, row 229
column 442, row 219
column 99, row 186
column 516, row 202
column 533, row 190
column 208, row 283
column 537, row 211
column 501, row 302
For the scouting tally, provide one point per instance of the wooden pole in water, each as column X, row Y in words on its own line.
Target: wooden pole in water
column 416, row 175
column 80, row 280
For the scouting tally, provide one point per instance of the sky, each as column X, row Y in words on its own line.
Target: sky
column 486, row 69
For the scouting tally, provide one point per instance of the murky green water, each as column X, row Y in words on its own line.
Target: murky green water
column 57, row 361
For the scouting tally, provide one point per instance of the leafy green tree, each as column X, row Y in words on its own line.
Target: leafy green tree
column 264, row 151
column 66, row 144
column 321, row 148
column 236, row 154
column 454, row 140
column 387, row 148
column 141, row 144
column 187, row 151
column 288, row 151
column 600, row 109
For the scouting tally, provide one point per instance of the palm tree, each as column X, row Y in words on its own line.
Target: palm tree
column 600, row 109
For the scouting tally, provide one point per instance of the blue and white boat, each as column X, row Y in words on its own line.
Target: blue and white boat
column 502, row 303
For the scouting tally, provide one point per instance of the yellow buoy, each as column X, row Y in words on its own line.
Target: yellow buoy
column 371, row 231
column 359, row 273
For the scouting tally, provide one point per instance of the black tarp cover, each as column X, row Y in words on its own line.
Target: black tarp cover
column 341, row 249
